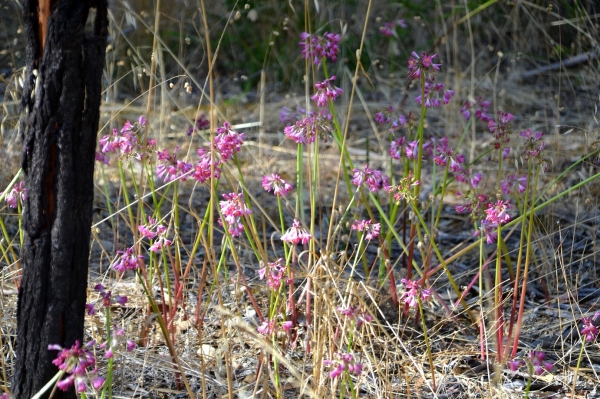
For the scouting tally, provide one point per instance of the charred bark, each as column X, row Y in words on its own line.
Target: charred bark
column 61, row 104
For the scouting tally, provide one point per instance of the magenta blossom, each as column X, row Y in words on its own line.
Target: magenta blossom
column 319, row 47
column 296, row 234
column 343, row 362
column 432, row 95
column 207, row 166
column 200, row 123
column 388, row 117
column 170, row 168
column 479, row 108
column 127, row 260
column 326, row 91
column 389, row 28
column 501, row 129
column 447, row 155
column 306, row 130
column 275, row 183
column 287, row 115
column 590, row 330
column 77, row 363
column 370, row 229
column 513, row 183
column 498, row 213
column 373, row 179
column 233, row 209
column 16, row 194
column 228, row 142
column 488, row 230
column 422, row 65
column 356, row 313
column 274, row 274
column 397, row 148
column 414, row 292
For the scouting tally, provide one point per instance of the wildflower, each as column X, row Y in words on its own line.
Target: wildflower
column 421, row 65
column 389, row 28
column 267, row 327
column 233, row 209
column 76, row 362
column 389, row 118
column 412, row 149
column 287, row 116
column 287, row 325
column 447, row 155
column 205, row 166
column 371, row 229
column 18, row 192
column 306, row 130
column 404, row 190
column 516, row 364
column 397, row 148
column 274, row 273
column 200, row 123
column 475, row 205
column 296, row 234
column 356, row 313
column 531, row 148
column 343, row 362
column 170, row 167
column 145, row 229
column 228, row 142
column 501, row 129
column 497, row 213
column 590, row 330
column 536, row 359
column 325, row 91
column 275, row 183
column 127, row 260
column 511, row 182
column 162, row 241
column 107, row 299
column 117, row 339
column 100, row 157
column 413, row 293
column 432, row 93
column 374, row 179
column 467, row 176
column 319, row 47
column 489, row 230
column 481, row 109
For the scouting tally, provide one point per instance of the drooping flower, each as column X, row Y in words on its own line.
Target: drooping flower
column 16, row 194
column 371, row 229
column 373, row 179
column 275, row 183
column 233, row 209
column 267, row 327
column 127, row 260
column 513, row 182
column 489, row 230
column 326, row 91
column 170, row 168
column 296, row 234
column 308, row 129
column 498, row 213
column 536, row 359
column 501, row 129
column 397, row 148
column 161, row 241
column 343, row 362
column 228, row 142
column 590, row 330
column 79, row 364
column 318, row 47
column 274, row 274
column 413, row 293
column 432, row 95
column 480, row 108
column 448, row 155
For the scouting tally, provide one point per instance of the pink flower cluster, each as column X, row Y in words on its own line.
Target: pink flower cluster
column 590, row 330
column 319, row 47
column 170, row 168
column 153, row 230
column 117, row 338
column 18, row 192
column 513, row 182
column 274, row 273
column 501, row 129
column 448, row 155
column 305, row 131
column 233, row 209
column 432, row 94
column 422, row 65
column 480, row 108
column 326, row 91
column 413, row 293
column 389, row 28
column 356, row 313
column 370, row 229
column 268, row 327
column 343, row 362
column 287, row 116
column 533, row 150
column 296, row 234
column 126, row 141
column 200, row 123
column 404, row 190
column 275, row 183
column 388, row 117
column 76, row 362
column 373, row 179
column 228, row 142
column 127, row 260
column 107, row 299
column 535, row 361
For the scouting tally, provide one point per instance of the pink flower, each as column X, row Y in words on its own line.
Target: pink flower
column 296, row 234
column 274, row 273
column 319, row 47
column 501, row 129
column 373, row 179
column 481, row 109
column 424, row 64
column 267, row 327
column 447, row 154
column 414, row 292
column 228, row 142
column 389, row 28
column 200, row 123
column 306, row 130
column 325, row 91
column 127, row 260
column 18, row 192
column 76, row 362
column 275, row 183
column 286, row 325
column 489, row 230
column 536, row 359
column 497, row 213
column 170, row 168
column 397, row 148
column 512, row 181
column 288, row 116
column 342, row 362
column 371, row 229
column 205, row 166
column 432, row 94
column 356, row 313
column 590, row 330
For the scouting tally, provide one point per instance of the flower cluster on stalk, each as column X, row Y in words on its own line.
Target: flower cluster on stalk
column 535, row 361
column 107, row 299
column 127, row 260
column 200, row 123
column 307, row 130
column 479, row 108
column 356, row 313
column 117, row 339
column 275, row 183
column 422, row 65
column 589, row 329
column 390, row 118
column 296, row 234
column 325, row 91
column 414, row 292
column 233, row 209
column 126, row 141
column 432, row 93
column 316, row 47
column 274, row 273
column 370, row 229
column 374, row 180
column 76, row 362
column 389, row 28
column 156, row 232
column 343, row 362
column 404, row 190
column 268, row 327
column 16, row 194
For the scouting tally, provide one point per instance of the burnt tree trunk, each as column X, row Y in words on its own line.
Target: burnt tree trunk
column 61, row 103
